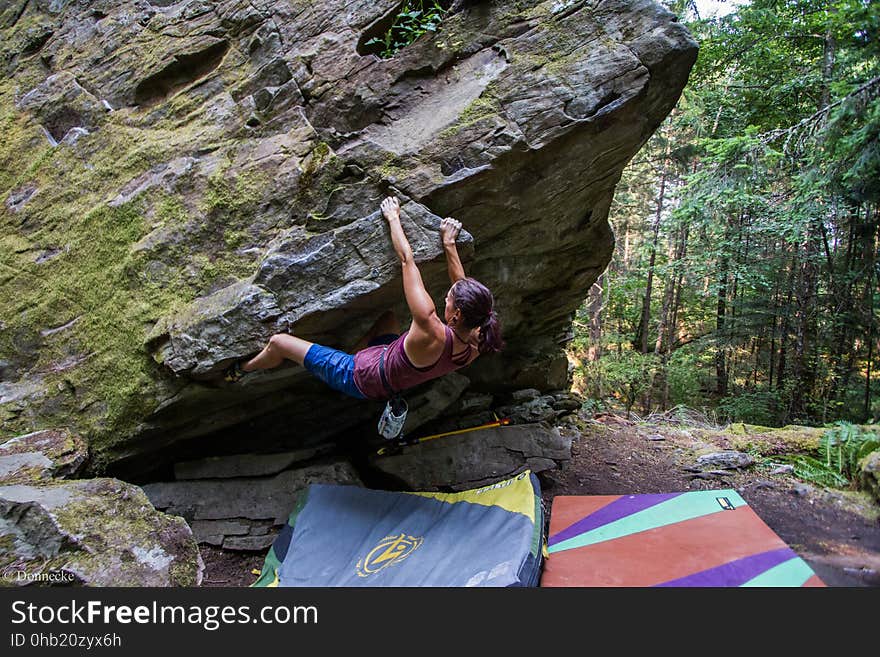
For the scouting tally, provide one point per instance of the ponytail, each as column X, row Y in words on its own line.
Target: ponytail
column 477, row 307
column 491, row 341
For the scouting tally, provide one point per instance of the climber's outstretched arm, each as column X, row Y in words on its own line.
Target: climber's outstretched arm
column 449, row 229
column 421, row 306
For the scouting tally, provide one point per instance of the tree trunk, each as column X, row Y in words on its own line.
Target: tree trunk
column 784, row 331
column 642, row 335
column 720, row 316
column 803, row 368
column 872, row 250
column 594, row 310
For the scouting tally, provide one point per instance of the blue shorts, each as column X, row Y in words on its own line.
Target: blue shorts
column 333, row 367
column 336, row 368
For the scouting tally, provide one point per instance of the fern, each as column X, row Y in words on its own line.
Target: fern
column 839, row 452
column 811, row 469
column 844, row 445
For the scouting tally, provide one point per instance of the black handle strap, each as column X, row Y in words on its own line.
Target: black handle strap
column 388, row 388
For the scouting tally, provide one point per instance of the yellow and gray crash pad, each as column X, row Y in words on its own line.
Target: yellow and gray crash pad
column 353, row 536
column 697, row 538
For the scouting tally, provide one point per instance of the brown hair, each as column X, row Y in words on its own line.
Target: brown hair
column 477, row 306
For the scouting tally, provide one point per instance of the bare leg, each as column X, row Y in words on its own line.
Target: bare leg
column 281, row 347
column 387, row 323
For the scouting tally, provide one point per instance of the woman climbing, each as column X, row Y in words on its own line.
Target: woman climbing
column 386, row 361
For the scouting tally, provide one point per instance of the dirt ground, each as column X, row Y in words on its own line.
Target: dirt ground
column 836, row 532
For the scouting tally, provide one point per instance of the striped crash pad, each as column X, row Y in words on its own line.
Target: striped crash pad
column 353, row 536
column 699, row 538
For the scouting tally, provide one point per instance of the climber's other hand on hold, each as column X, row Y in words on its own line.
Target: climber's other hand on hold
column 391, row 208
column 449, row 229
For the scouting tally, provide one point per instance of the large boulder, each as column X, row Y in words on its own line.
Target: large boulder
column 93, row 532
column 180, row 180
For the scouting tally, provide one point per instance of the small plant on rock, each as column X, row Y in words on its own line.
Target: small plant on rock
column 416, row 17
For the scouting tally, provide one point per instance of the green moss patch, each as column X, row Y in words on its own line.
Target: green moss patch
column 72, row 301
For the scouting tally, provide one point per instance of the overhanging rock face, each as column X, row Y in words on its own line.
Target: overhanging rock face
column 189, row 178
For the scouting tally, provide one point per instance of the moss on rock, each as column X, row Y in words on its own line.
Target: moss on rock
column 773, row 440
column 109, row 534
column 869, row 474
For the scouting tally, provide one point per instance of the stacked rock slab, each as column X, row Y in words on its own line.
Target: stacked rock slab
column 476, row 458
column 239, row 502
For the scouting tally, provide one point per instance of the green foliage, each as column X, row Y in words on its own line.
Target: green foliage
column 619, row 377
column 767, row 230
column 758, row 407
column 416, row 17
column 844, row 445
column 811, row 469
column 835, row 462
column 685, row 378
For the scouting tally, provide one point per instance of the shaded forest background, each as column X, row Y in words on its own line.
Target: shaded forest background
column 744, row 281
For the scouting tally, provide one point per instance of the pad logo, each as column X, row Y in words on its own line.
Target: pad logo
column 725, row 503
column 390, row 550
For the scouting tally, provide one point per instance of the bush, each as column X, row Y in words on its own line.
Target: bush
column 835, row 462
column 844, row 445
column 757, row 407
column 684, row 377
column 624, row 377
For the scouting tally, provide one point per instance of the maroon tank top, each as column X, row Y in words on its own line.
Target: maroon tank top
column 399, row 371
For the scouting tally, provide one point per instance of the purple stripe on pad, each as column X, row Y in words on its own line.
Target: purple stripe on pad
column 620, row 508
column 735, row 573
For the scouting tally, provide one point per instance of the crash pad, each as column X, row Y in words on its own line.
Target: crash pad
column 706, row 538
column 352, row 536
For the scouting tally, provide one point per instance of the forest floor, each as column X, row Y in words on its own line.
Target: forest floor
column 836, row 532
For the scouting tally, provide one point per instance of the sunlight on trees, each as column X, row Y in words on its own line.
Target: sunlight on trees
column 745, row 276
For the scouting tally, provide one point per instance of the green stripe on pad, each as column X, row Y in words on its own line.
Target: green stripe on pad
column 683, row 507
column 793, row 572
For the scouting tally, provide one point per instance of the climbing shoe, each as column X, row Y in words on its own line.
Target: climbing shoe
column 234, row 373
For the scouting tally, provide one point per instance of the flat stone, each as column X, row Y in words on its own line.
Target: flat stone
column 205, row 529
column 472, row 402
column 41, row 455
column 526, row 394
column 211, row 539
column 254, row 498
column 726, row 459
column 248, row 543
column 243, row 465
column 801, row 490
column 476, row 458
column 14, row 464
